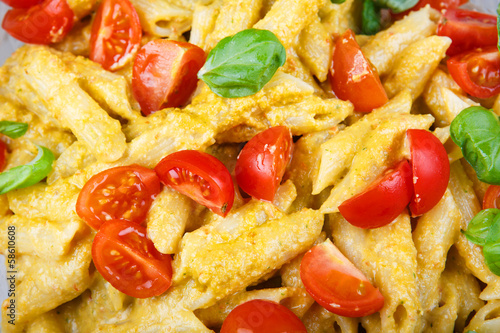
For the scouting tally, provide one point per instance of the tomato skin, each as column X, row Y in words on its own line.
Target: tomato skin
column 259, row 315
column 468, row 30
column 436, row 4
column 3, row 155
column 201, row 177
column 22, row 3
column 262, row 162
column 121, row 250
column 336, row 284
column 116, row 34
column 431, row 170
column 382, row 201
column 45, row 23
column 352, row 77
column 492, row 197
column 128, row 193
column 165, row 74
column 477, row 72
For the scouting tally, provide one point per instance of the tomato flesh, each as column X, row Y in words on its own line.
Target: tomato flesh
column 3, row 155
column 258, row 315
column 116, row 34
column 21, row 3
column 431, row 170
column 165, row 74
column 477, row 72
column 436, row 4
column 201, row 177
column 382, row 201
column 468, row 30
column 45, row 23
column 261, row 164
column 121, row 193
column 128, row 260
column 336, row 284
column 352, row 77
column 492, row 197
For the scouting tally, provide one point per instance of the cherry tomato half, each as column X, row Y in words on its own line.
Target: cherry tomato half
column 258, row 316
column 477, row 72
column 468, row 30
column 201, row 177
column 21, row 3
column 336, row 284
column 121, row 193
column 436, row 4
column 382, row 201
column 352, row 77
column 3, row 155
column 128, row 260
column 116, row 34
column 262, row 162
column 165, row 74
column 431, row 170
column 492, row 197
column 45, row 23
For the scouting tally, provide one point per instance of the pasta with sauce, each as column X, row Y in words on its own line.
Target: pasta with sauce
column 432, row 278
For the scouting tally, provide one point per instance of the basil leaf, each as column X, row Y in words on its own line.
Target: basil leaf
column 476, row 131
column 13, row 129
column 370, row 18
column 29, row 174
column 491, row 250
column 242, row 64
column 396, row 6
column 479, row 226
column 498, row 25
column 337, row 1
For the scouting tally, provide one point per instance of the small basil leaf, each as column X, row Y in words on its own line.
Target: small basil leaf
column 241, row 65
column 337, row 1
column 396, row 6
column 370, row 18
column 13, row 129
column 29, row 174
column 479, row 226
column 476, row 131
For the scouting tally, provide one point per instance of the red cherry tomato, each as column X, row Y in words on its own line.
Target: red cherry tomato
column 492, row 197
column 122, row 193
column 22, row 3
column 436, row 4
column 431, row 170
column 382, row 201
column 116, row 34
column 128, row 259
column 201, row 177
column 3, row 155
column 45, row 23
column 336, row 284
column 477, row 72
column 262, row 162
column 468, row 30
column 165, row 74
column 352, row 77
column 258, row 316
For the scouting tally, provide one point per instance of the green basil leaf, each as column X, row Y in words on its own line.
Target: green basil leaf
column 29, row 174
column 396, row 6
column 370, row 18
column 479, row 227
column 242, row 64
column 337, row 1
column 491, row 250
column 498, row 25
column 476, row 131
column 13, row 129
